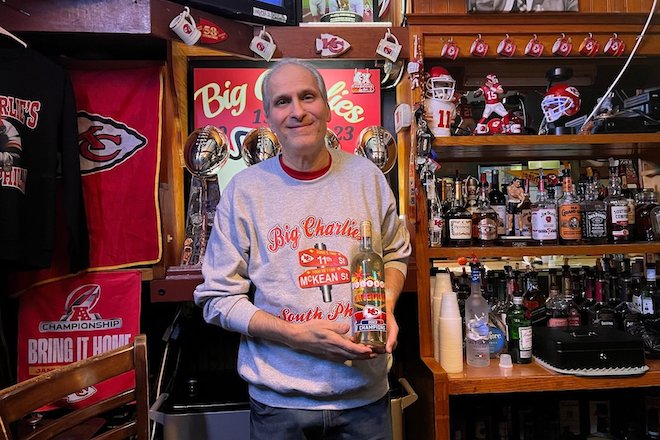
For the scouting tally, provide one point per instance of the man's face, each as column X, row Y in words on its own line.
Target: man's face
column 298, row 113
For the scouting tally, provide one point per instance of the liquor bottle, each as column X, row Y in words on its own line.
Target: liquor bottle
column 588, row 303
column 519, row 332
column 646, row 201
column 459, row 220
column 471, row 189
column 570, row 219
column 601, row 312
column 477, row 350
column 568, row 296
column 544, row 216
column 436, row 224
column 646, row 302
column 594, row 215
column 617, row 208
column 533, row 299
column 368, row 293
column 555, row 307
column 484, row 218
column 497, row 315
column 630, row 194
column 526, row 213
column 498, row 202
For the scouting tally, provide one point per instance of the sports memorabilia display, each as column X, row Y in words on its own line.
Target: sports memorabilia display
column 439, row 103
column 560, row 100
column 491, row 91
column 378, row 145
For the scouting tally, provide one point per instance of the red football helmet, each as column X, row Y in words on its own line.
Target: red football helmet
column 560, row 100
column 440, row 84
column 491, row 80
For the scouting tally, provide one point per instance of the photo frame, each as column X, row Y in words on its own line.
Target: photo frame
column 514, row 6
column 338, row 11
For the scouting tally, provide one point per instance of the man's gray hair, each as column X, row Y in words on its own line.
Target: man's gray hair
column 265, row 95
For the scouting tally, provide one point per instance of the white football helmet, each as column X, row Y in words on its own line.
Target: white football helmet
column 440, row 84
column 560, row 100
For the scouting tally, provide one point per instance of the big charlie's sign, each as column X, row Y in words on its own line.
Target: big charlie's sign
column 230, row 99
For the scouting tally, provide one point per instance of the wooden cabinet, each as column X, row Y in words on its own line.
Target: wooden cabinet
column 431, row 416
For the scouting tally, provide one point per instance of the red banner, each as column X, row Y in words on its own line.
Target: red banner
column 72, row 319
column 119, row 122
column 230, row 98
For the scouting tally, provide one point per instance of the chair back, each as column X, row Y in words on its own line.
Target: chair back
column 25, row 397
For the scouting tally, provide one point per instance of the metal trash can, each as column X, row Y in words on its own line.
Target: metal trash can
column 401, row 398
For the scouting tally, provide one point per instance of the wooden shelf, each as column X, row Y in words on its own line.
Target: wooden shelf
column 549, row 146
column 501, row 251
column 533, row 377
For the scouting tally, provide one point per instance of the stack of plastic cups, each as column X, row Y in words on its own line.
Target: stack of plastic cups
column 442, row 286
column 451, row 334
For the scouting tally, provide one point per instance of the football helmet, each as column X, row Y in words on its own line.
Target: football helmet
column 492, row 80
column 440, row 84
column 560, row 100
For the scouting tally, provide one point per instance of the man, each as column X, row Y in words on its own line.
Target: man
column 307, row 377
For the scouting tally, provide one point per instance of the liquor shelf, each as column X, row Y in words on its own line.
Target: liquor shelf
column 533, row 377
column 514, row 251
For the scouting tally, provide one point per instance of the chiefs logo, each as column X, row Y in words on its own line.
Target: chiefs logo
column 105, row 143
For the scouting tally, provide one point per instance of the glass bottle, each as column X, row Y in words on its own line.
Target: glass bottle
column 459, row 220
column 436, row 224
column 570, row 223
column 588, row 303
column 526, row 213
column 555, row 307
column 647, row 200
column 484, row 218
column 646, row 302
column 533, row 299
column 544, row 216
column 630, row 194
column 477, row 349
column 568, row 295
column 471, row 189
column 601, row 313
column 617, row 208
column 594, row 215
column 368, row 293
column 519, row 332
column 498, row 202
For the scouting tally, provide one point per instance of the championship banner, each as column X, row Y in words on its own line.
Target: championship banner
column 72, row 319
column 230, row 99
column 119, row 129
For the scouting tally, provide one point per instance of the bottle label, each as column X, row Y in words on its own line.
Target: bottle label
column 637, row 303
column 525, row 344
column 594, row 224
column 436, row 228
column 501, row 218
column 619, row 214
column 557, row 322
column 544, row 224
column 487, row 229
column 569, row 221
column 647, row 305
column 460, row 229
column 369, row 313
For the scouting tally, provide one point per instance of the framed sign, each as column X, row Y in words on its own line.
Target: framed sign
column 522, row 5
column 229, row 97
column 333, row 11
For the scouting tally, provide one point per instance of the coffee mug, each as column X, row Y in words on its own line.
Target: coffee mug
column 534, row 47
column 614, row 46
column 562, row 46
column 450, row 50
column 185, row 27
column 507, row 47
column 479, row 47
column 389, row 47
column 263, row 45
column 589, row 46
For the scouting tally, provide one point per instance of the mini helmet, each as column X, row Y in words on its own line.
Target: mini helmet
column 560, row 100
column 440, row 84
column 492, row 80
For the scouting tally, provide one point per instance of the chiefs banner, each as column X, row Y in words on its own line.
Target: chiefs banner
column 72, row 319
column 230, row 99
column 119, row 128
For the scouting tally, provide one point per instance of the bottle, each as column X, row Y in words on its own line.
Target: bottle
column 555, row 307
column 544, row 216
column 484, row 219
column 477, row 349
column 519, row 332
column 594, row 214
column 570, row 218
column 368, row 293
column 588, row 303
column 459, row 220
column 617, row 208
column 533, row 299
column 568, row 294
column 647, row 200
column 436, row 224
column 630, row 193
column 601, row 312
column 526, row 213
column 646, row 302
column 498, row 202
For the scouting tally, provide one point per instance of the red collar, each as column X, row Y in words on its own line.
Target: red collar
column 305, row 175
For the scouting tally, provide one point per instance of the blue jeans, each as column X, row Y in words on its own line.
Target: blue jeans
column 369, row 422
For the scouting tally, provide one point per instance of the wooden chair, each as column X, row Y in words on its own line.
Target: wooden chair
column 25, row 397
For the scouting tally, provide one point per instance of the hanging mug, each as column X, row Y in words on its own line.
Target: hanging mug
column 389, row 47
column 562, row 46
column 507, row 47
column 614, row 46
column 263, row 45
column 185, row 27
column 534, row 47
column 450, row 49
column 589, row 46
column 479, row 47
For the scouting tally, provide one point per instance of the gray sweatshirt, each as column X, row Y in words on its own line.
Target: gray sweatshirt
column 265, row 233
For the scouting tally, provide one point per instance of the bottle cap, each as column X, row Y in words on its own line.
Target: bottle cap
column 505, row 361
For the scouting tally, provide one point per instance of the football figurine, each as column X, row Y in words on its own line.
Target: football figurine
column 439, row 103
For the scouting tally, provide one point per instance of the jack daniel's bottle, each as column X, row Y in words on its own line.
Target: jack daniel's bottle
column 368, row 291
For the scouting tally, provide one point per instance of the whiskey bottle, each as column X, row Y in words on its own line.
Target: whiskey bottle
column 498, row 202
column 601, row 312
column 594, row 215
column 368, row 293
column 646, row 201
column 484, row 218
column 544, row 216
column 533, row 299
column 555, row 307
column 617, row 208
column 570, row 218
column 526, row 213
column 630, row 193
column 459, row 220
